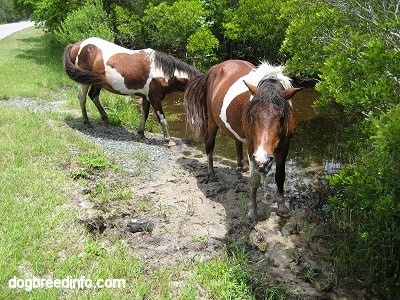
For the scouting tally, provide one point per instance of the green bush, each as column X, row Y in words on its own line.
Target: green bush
column 90, row 20
column 311, row 28
column 129, row 27
column 8, row 13
column 256, row 27
column 360, row 75
column 169, row 26
column 366, row 210
column 201, row 48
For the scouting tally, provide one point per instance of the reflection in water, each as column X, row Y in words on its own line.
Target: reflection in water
column 315, row 139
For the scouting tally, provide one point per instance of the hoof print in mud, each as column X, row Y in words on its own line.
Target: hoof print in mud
column 94, row 225
column 139, row 225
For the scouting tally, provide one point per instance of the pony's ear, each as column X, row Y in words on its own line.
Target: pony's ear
column 252, row 88
column 289, row 93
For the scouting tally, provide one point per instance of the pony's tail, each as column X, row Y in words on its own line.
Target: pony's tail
column 78, row 74
column 195, row 99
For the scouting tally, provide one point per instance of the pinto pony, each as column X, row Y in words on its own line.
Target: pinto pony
column 252, row 105
column 98, row 64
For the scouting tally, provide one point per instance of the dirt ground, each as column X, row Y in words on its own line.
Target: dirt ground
column 193, row 220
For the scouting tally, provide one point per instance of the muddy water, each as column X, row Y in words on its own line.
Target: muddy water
column 314, row 140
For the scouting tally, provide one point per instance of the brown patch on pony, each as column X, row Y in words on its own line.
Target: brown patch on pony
column 77, row 73
column 91, row 58
column 131, row 68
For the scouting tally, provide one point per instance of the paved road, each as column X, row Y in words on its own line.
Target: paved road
column 8, row 29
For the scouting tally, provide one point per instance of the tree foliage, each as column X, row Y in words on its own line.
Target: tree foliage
column 90, row 20
column 170, row 25
column 257, row 26
column 9, row 14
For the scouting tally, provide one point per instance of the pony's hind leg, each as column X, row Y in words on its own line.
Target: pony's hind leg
column 209, row 140
column 239, row 155
column 82, row 92
column 94, row 94
column 144, row 116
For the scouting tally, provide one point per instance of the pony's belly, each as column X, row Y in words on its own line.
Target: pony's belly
column 117, row 83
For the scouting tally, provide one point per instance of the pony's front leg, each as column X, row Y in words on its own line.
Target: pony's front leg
column 280, row 175
column 82, row 92
column 255, row 179
column 163, row 122
column 144, row 116
column 164, row 126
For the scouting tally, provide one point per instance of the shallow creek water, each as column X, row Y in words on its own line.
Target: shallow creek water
column 313, row 142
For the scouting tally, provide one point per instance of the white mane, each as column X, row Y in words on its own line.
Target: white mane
column 274, row 72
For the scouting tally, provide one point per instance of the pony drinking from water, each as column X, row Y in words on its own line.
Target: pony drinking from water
column 98, row 64
column 252, row 105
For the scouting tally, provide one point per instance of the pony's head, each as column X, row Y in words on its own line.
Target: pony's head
column 268, row 122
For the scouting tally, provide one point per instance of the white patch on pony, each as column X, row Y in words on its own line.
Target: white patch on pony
column 115, row 79
column 154, row 71
column 162, row 119
column 181, row 74
column 261, row 155
column 263, row 71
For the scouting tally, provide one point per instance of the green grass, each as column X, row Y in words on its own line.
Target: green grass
column 26, row 68
column 40, row 235
column 43, row 163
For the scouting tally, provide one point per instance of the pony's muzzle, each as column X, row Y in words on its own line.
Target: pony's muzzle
column 263, row 166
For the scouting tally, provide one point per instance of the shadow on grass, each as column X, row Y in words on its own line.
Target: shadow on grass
column 112, row 132
column 42, row 50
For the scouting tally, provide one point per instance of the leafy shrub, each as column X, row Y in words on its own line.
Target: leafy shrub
column 90, row 20
column 168, row 26
column 129, row 27
column 360, row 75
column 366, row 209
column 201, row 46
column 8, row 13
column 311, row 28
column 257, row 29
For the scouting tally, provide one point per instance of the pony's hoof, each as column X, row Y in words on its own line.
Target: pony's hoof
column 87, row 124
column 170, row 143
column 283, row 212
column 140, row 136
column 252, row 215
column 211, row 178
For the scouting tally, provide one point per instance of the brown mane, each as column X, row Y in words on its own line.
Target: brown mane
column 269, row 94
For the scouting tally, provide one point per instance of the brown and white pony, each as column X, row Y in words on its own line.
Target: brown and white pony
column 252, row 105
column 98, row 64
